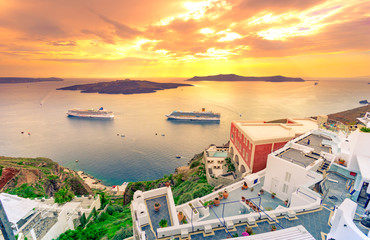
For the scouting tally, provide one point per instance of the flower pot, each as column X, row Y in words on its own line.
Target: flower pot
column 168, row 184
column 157, row 207
column 216, row 201
column 243, row 199
column 250, row 204
column 225, row 194
column 180, row 216
column 220, row 196
column 247, row 201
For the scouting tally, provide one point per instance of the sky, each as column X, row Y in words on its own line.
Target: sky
column 184, row 38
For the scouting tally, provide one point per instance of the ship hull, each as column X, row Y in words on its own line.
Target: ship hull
column 89, row 116
column 193, row 118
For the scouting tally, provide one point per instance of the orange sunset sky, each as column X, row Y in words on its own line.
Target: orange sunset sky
column 176, row 38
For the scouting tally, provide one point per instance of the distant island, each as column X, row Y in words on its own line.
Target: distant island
column 28, row 80
column 236, row 78
column 126, row 86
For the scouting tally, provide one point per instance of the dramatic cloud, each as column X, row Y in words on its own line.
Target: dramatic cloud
column 181, row 33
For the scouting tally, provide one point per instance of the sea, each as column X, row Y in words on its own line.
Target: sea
column 150, row 143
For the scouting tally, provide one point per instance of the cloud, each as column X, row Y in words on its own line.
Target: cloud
column 62, row 43
column 122, row 30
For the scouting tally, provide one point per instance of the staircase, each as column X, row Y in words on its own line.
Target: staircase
column 324, row 166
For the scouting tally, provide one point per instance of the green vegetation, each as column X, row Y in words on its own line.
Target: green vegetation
column 28, row 191
column 114, row 224
column 63, row 195
column 230, row 165
column 163, row 223
column 41, row 177
column 365, row 129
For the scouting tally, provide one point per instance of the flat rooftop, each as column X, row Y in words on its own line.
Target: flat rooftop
column 266, row 131
column 316, row 143
column 297, row 157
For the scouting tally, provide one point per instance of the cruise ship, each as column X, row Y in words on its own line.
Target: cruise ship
column 194, row 116
column 91, row 113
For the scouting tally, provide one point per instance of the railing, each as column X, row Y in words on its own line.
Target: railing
column 297, row 191
column 293, row 160
column 222, row 220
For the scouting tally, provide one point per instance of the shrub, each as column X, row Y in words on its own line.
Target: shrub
column 185, row 198
column 201, row 191
column 118, row 208
column 123, row 233
column 364, row 129
column 194, row 164
column 103, row 217
column 110, row 210
column 63, row 195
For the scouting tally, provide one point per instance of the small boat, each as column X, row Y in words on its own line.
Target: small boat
column 163, row 135
column 364, row 102
column 122, row 135
column 178, row 156
column 76, row 160
column 316, row 83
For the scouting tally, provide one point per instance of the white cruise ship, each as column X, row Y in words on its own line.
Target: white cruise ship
column 91, row 113
column 194, row 116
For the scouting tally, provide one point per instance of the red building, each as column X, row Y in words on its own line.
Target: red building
column 252, row 142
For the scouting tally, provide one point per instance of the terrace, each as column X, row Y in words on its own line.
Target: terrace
column 316, row 142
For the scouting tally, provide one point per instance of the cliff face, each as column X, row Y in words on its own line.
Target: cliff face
column 124, row 87
column 38, row 177
column 236, row 78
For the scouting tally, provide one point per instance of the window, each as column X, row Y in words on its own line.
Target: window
column 287, row 176
column 246, row 156
column 244, row 152
column 232, row 136
column 285, row 188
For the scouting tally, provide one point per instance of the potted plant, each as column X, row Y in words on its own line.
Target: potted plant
column 220, row 195
column 163, row 223
column 273, row 195
column 245, row 186
column 262, row 191
column 225, row 194
column 249, row 230
column 210, row 203
column 184, row 221
column 273, row 228
column 180, row 216
column 216, row 202
column 250, row 204
column 247, row 201
column 157, row 206
column 341, row 161
column 243, row 199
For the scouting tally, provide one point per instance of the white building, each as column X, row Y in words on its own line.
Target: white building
column 44, row 219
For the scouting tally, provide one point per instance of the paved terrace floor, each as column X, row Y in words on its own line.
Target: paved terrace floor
column 232, row 205
column 297, row 157
column 316, row 223
column 315, row 143
column 337, row 192
column 156, row 217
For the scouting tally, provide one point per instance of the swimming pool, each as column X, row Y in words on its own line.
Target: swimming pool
column 220, row 154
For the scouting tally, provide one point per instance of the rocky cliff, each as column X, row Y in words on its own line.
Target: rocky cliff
column 38, row 177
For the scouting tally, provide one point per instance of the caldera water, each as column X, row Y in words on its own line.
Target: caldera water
column 151, row 143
